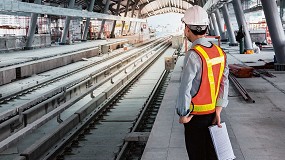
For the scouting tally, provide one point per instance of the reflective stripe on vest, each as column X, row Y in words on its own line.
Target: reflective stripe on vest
column 208, row 103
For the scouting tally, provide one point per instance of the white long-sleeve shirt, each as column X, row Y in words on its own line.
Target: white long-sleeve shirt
column 191, row 78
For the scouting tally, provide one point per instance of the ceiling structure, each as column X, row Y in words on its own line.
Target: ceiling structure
column 156, row 7
column 138, row 8
column 143, row 8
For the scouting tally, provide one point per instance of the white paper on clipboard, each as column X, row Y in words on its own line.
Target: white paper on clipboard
column 222, row 142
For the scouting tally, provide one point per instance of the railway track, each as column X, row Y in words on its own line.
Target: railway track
column 134, row 146
column 98, row 99
column 103, row 138
column 8, row 97
column 27, row 89
column 16, row 115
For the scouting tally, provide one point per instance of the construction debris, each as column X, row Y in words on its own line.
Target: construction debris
column 241, row 71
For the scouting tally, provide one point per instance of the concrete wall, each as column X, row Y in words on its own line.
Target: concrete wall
column 6, row 76
column 18, row 42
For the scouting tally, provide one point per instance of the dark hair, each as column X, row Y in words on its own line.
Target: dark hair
column 202, row 32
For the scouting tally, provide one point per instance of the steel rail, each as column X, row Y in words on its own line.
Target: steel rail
column 241, row 89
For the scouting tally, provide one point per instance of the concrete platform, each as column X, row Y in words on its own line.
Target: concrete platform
column 22, row 64
column 256, row 130
column 12, row 58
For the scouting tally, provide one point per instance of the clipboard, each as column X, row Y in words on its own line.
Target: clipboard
column 221, row 142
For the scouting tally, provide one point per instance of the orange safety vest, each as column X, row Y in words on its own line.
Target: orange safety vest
column 213, row 65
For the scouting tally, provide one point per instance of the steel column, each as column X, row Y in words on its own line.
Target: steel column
column 32, row 28
column 136, row 25
column 211, row 27
column 126, row 11
column 241, row 21
column 220, row 26
column 231, row 34
column 140, row 12
column 211, row 30
column 87, row 23
column 135, row 28
column 216, row 29
column 115, row 22
column 106, row 8
column 275, row 29
column 203, row 2
column 67, row 22
column 139, row 16
column 133, row 11
column 282, row 6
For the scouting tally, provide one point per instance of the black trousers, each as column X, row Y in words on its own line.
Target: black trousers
column 198, row 140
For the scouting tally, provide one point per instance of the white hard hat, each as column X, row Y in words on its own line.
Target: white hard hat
column 195, row 15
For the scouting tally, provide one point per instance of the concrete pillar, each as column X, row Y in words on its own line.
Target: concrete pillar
column 67, row 22
column 276, row 31
column 106, row 8
column 49, row 24
column 114, row 24
column 126, row 11
column 87, row 23
column 32, row 29
column 216, row 29
column 220, row 26
column 241, row 21
column 57, row 30
column 230, row 31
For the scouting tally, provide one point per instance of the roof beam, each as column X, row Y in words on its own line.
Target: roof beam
column 168, row 10
column 159, row 4
column 17, row 6
column 144, row 4
column 129, row 8
column 150, row 6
